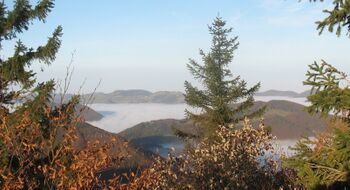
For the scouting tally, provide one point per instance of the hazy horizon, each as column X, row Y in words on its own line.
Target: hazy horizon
column 146, row 45
column 152, row 91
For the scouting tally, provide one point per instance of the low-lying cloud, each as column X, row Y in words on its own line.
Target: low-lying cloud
column 128, row 115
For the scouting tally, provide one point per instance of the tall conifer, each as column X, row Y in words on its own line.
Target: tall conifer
column 224, row 99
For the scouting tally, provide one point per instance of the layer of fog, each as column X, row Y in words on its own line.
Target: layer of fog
column 283, row 146
column 123, row 116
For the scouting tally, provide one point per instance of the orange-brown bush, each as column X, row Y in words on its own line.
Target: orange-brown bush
column 39, row 154
column 237, row 159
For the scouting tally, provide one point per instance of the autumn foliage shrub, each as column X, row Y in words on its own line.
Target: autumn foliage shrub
column 40, row 154
column 237, row 159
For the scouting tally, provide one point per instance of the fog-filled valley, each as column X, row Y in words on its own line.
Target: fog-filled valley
column 118, row 117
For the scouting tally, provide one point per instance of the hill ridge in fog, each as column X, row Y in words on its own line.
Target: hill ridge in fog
column 163, row 97
column 287, row 93
column 136, row 96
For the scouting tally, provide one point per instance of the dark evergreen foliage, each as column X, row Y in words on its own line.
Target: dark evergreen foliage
column 14, row 70
column 323, row 163
column 327, row 95
column 224, row 99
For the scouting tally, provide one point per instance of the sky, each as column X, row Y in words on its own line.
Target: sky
column 135, row 44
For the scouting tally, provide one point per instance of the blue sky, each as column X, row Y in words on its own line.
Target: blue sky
column 146, row 44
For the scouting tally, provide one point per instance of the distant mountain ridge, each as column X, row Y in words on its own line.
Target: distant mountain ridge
column 290, row 94
column 134, row 96
column 137, row 96
column 126, row 96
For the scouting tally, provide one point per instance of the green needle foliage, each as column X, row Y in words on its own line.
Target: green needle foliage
column 14, row 71
column 324, row 162
column 224, row 99
column 337, row 18
column 326, row 95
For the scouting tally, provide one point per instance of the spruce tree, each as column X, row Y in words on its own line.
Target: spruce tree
column 223, row 99
column 15, row 70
